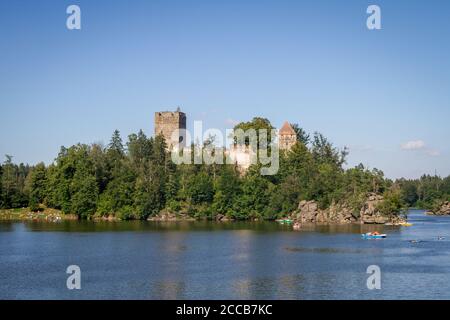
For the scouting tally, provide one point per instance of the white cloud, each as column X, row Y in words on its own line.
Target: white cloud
column 421, row 146
column 413, row 145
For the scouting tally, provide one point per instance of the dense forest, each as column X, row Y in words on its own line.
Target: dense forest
column 428, row 192
column 137, row 179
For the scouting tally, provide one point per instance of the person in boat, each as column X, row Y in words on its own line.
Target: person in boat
column 375, row 233
column 297, row 225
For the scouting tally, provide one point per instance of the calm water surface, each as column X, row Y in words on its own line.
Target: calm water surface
column 151, row 260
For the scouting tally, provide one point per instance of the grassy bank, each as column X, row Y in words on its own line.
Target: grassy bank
column 26, row 214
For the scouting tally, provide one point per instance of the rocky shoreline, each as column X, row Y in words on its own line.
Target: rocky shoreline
column 309, row 212
column 443, row 210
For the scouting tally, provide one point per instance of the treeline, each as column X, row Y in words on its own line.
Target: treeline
column 428, row 192
column 14, row 191
column 137, row 179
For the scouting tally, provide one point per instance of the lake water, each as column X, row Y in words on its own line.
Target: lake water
column 242, row 260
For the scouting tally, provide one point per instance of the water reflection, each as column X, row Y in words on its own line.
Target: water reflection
column 236, row 260
column 168, row 290
column 171, row 259
column 332, row 250
column 192, row 226
column 288, row 287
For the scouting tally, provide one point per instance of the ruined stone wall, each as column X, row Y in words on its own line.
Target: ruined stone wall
column 168, row 122
column 287, row 141
column 243, row 156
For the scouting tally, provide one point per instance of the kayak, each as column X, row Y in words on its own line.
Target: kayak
column 406, row 224
column 285, row 221
column 373, row 236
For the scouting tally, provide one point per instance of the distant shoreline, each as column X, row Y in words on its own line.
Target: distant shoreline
column 53, row 215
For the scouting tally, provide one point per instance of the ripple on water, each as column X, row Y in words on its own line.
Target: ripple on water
column 332, row 250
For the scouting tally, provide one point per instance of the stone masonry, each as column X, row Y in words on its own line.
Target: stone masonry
column 166, row 122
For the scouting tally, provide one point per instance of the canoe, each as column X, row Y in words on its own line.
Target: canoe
column 373, row 236
column 287, row 221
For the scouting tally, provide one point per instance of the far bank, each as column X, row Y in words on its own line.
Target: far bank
column 370, row 210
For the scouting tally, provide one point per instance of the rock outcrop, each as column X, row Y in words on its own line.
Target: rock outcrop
column 309, row 212
column 443, row 210
column 223, row 218
column 170, row 216
column 370, row 214
column 341, row 213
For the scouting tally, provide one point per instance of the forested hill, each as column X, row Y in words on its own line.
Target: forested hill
column 137, row 179
column 428, row 192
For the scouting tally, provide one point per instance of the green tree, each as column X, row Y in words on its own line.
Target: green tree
column 149, row 193
column 37, row 186
column 101, row 166
column 393, row 202
column 119, row 192
column 323, row 151
column 13, row 184
column 140, row 149
column 254, row 198
column 115, row 147
column 302, row 136
column 256, row 124
column 298, row 163
column 227, row 190
column 200, row 188
column 85, row 194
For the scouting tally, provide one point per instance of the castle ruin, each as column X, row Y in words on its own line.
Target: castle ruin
column 287, row 137
column 167, row 122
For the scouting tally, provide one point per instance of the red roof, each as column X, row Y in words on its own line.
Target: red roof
column 287, row 129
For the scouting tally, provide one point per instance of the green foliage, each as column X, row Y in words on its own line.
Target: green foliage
column 12, row 184
column 302, row 135
column 200, row 188
column 283, row 198
column 148, row 196
column 36, row 186
column 323, row 151
column 84, row 195
column 256, row 124
column 425, row 192
column 254, row 198
column 228, row 188
column 140, row 180
column 126, row 213
column 393, row 203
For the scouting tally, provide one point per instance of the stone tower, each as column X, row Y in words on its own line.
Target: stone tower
column 166, row 122
column 287, row 136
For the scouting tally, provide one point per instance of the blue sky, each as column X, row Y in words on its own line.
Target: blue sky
column 384, row 93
